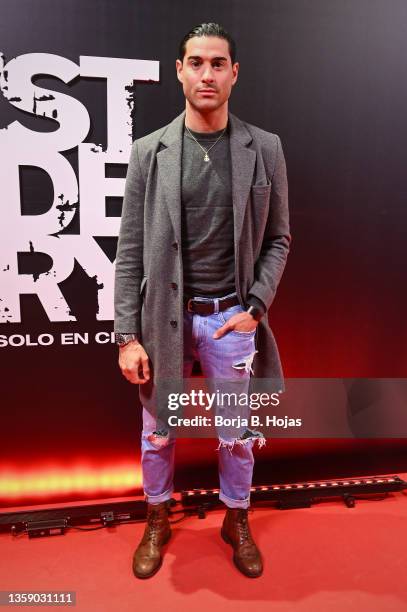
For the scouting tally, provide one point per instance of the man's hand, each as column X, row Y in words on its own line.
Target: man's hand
column 133, row 362
column 242, row 321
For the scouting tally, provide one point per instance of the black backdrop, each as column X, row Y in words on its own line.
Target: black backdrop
column 330, row 78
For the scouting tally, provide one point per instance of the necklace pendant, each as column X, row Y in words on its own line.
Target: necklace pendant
column 206, row 158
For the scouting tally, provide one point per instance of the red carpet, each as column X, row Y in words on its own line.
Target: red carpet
column 324, row 558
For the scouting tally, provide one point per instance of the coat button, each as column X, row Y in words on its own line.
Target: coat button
column 175, row 245
column 174, row 286
column 173, row 323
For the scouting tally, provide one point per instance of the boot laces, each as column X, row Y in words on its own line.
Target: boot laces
column 153, row 522
column 243, row 525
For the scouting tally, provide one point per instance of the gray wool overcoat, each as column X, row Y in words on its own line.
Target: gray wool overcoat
column 148, row 294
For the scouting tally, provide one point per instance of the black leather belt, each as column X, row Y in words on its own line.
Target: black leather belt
column 208, row 307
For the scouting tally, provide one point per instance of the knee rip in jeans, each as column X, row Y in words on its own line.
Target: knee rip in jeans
column 250, row 435
column 245, row 363
column 159, row 438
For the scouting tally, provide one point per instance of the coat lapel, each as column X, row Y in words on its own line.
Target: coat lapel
column 243, row 162
column 169, row 170
column 169, row 162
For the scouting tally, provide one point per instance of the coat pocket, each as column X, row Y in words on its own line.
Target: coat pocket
column 261, row 189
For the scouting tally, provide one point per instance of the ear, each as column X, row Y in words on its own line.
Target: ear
column 235, row 70
column 178, row 68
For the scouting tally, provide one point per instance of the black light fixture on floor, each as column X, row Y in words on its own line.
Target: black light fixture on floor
column 57, row 520
column 303, row 494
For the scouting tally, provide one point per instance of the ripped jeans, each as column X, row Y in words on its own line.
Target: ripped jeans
column 227, row 358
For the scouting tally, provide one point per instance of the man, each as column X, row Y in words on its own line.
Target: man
column 203, row 243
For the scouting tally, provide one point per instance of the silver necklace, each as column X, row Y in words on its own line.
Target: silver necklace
column 206, row 151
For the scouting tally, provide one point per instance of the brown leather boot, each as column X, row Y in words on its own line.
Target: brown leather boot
column 147, row 558
column 236, row 532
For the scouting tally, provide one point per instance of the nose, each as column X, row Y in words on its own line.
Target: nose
column 207, row 76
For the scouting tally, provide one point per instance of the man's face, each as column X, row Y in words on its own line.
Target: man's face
column 206, row 73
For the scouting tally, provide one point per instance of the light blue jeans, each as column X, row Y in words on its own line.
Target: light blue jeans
column 228, row 358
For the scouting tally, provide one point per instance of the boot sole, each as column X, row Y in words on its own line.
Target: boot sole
column 226, row 539
column 155, row 570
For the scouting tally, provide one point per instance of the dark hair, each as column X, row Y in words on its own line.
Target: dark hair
column 208, row 29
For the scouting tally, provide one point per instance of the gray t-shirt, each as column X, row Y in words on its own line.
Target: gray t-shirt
column 207, row 216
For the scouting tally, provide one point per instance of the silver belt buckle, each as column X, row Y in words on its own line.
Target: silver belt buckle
column 189, row 309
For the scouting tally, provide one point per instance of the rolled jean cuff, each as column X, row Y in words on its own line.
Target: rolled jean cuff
column 157, row 499
column 234, row 503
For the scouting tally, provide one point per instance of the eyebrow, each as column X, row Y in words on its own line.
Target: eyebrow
column 198, row 57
